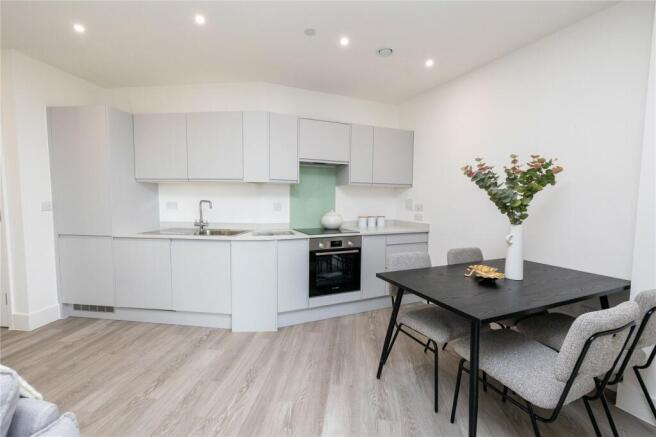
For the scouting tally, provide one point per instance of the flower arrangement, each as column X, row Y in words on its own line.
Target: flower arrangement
column 513, row 196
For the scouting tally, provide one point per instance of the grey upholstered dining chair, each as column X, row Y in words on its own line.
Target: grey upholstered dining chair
column 551, row 329
column 436, row 324
column 548, row 379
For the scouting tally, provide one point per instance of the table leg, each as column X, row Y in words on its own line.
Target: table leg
column 604, row 302
column 475, row 330
column 390, row 329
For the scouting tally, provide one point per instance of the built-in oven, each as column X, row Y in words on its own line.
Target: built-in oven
column 334, row 265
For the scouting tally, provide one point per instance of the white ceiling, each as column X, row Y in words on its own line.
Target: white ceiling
column 158, row 43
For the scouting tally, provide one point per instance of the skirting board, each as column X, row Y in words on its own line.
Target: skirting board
column 30, row 321
column 155, row 316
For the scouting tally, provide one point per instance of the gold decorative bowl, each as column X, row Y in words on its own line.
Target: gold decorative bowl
column 483, row 272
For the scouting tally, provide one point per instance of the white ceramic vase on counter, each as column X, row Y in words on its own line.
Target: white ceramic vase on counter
column 514, row 255
column 331, row 220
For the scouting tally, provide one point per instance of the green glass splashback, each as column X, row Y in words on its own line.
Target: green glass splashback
column 312, row 197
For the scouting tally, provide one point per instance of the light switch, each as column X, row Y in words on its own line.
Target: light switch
column 46, row 205
column 408, row 204
column 171, row 205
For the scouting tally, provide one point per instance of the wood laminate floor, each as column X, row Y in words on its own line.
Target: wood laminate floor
column 317, row 379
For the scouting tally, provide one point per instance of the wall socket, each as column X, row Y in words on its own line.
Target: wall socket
column 419, row 207
column 419, row 217
column 46, row 205
column 171, row 205
column 408, row 204
column 277, row 206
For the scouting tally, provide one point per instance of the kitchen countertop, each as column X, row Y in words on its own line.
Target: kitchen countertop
column 391, row 227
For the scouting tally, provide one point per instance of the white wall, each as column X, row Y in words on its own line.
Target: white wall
column 578, row 95
column 28, row 86
column 630, row 396
column 257, row 202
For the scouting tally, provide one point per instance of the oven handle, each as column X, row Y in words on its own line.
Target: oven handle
column 337, row 252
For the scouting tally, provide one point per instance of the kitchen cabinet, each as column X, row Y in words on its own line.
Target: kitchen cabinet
column 254, row 286
column 283, row 148
column 215, row 146
column 323, row 141
column 256, row 146
column 362, row 154
column 293, row 275
column 142, row 270
column 373, row 261
column 402, row 243
column 160, row 146
column 85, row 270
column 393, row 156
column 200, row 273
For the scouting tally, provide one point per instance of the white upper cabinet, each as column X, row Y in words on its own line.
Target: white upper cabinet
column 283, row 148
column 362, row 154
column 215, row 146
column 160, row 146
column 256, row 146
column 393, row 154
column 324, row 141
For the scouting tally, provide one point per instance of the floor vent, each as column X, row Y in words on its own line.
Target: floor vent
column 93, row 308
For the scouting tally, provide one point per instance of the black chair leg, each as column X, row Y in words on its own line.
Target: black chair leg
column 389, row 350
column 485, row 382
column 592, row 418
column 645, row 391
column 505, row 394
column 609, row 416
column 534, row 420
column 427, row 345
column 437, row 364
column 457, row 390
column 444, row 346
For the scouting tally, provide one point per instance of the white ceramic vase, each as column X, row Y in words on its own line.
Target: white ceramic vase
column 514, row 256
column 331, row 220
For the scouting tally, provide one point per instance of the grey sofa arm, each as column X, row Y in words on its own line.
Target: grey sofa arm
column 34, row 417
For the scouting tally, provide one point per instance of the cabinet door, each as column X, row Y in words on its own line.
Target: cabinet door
column 80, row 170
column 393, row 153
column 374, row 260
column 254, row 294
column 293, row 275
column 215, row 146
column 323, row 140
column 362, row 154
column 200, row 271
column 85, row 270
column 256, row 146
column 160, row 146
column 142, row 268
column 283, row 147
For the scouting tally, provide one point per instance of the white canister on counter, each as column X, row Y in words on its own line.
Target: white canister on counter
column 380, row 221
column 371, row 221
column 362, row 221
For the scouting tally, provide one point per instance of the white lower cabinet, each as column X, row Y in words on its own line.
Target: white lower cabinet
column 200, row 272
column 254, row 286
column 85, row 270
column 293, row 275
column 374, row 261
column 142, row 269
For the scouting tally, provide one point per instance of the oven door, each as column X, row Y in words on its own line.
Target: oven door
column 334, row 271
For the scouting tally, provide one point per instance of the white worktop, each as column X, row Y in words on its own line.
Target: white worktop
column 391, row 227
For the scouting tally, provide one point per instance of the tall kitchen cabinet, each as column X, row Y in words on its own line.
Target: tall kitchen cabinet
column 94, row 196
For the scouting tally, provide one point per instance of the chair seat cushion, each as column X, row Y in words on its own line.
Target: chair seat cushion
column 549, row 329
column 524, row 366
column 65, row 426
column 32, row 415
column 434, row 322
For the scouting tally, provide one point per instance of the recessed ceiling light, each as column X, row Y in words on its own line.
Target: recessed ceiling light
column 78, row 28
column 309, row 32
column 199, row 19
column 385, row 52
column 344, row 41
column 429, row 63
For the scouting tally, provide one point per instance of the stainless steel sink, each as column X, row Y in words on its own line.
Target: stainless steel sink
column 209, row 232
column 271, row 233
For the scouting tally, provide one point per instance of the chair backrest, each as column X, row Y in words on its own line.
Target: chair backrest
column 646, row 300
column 406, row 261
column 463, row 255
column 604, row 350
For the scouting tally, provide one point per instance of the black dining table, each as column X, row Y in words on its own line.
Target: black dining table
column 543, row 287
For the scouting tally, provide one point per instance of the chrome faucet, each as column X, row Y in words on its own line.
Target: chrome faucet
column 202, row 224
